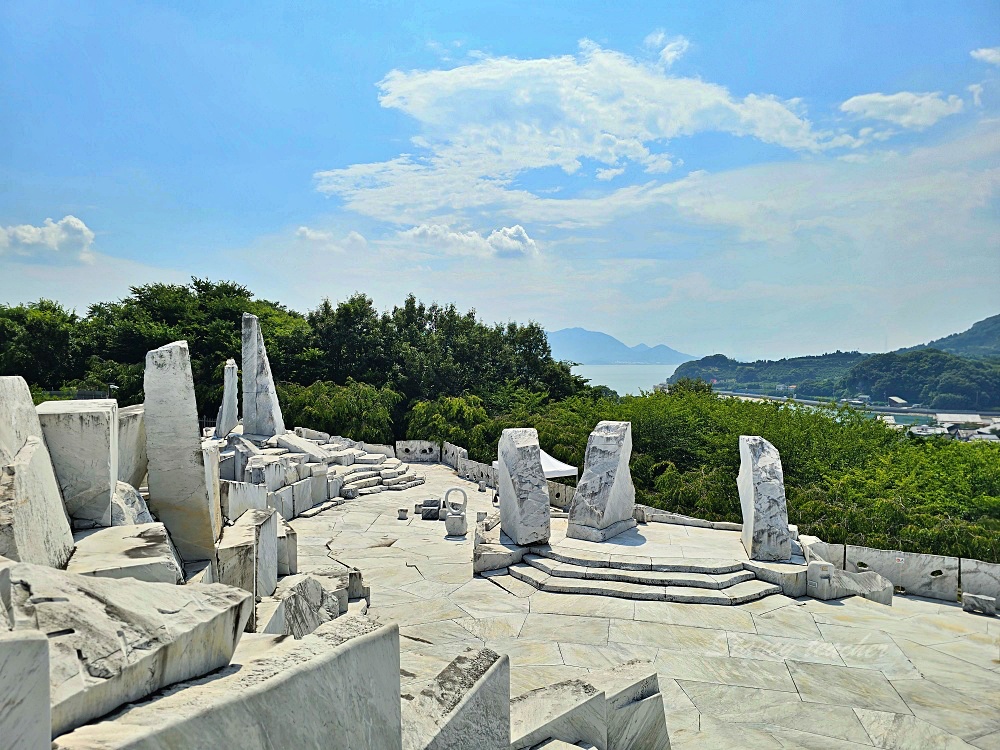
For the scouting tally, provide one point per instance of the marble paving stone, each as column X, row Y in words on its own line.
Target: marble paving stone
column 431, row 589
column 770, row 604
column 696, row 615
column 787, row 622
column 543, row 602
column 755, row 706
column 976, row 683
column 724, row 670
column 808, row 740
column 455, row 573
column 523, row 679
column 493, row 628
column 906, row 732
column 407, row 614
column 776, row 648
column 989, row 741
column 480, row 598
column 672, row 637
column 445, row 631
column 847, row 634
column 713, row 734
column 598, row 657
column 981, row 650
column 845, row 686
column 948, row 709
column 524, row 653
column 885, row 657
column 513, row 585
column 573, row 628
column 674, row 697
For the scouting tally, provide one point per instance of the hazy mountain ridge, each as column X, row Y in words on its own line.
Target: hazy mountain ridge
column 981, row 340
column 595, row 348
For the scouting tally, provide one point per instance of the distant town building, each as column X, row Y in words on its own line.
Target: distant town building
column 925, row 430
column 897, row 401
column 948, row 418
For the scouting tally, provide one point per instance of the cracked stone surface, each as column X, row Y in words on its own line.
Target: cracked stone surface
column 775, row 673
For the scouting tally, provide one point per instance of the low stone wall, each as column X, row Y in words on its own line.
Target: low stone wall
column 476, row 472
column 560, row 495
column 451, row 453
column 418, row 452
column 933, row 576
column 978, row 577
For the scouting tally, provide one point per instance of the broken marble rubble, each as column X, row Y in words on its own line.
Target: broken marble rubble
column 128, row 506
column 82, row 440
column 115, row 641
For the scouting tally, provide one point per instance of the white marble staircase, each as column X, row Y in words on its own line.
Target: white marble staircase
column 567, row 571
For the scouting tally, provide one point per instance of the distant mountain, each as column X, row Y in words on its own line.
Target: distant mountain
column 982, row 340
column 595, row 348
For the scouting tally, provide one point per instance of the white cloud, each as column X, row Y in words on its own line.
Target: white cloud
column 609, row 173
column 668, row 51
column 487, row 122
column 66, row 239
column 505, row 242
column 976, row 89
column 353, row 241
column 990, row 55
column 906, row 109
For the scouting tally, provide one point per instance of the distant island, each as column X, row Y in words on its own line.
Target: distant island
column 585, row 347
column 961, row 371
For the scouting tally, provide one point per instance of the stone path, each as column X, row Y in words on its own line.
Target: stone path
column 774, row 673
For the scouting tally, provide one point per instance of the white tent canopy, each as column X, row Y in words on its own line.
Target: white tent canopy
column 551, row 467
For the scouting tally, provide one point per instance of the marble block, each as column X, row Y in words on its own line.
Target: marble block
column 304, row 598
column 295, row 444
column 634, row 706
column 524, row 494
column 605, row 495
column 933, row 576
column 261, row 411
column 128, row 507
column 466, row 705
column 336, row 688
column 25, row 716
column 282, row 501
column 980, row 577
column 825, row 582
column 762, row 498
column 239, row 497
column 418, row 451
column 573, row 711
column 33, row 523
column 981, row 603
column 132, row 459
column 288, row 558
column 142, row 552
column 248, row 553
column 116, row 641
column 182, row 491
column 302, row 496
column 229, row 411
column 82, row 438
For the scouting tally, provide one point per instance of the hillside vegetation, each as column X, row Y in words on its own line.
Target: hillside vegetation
column 430, row 371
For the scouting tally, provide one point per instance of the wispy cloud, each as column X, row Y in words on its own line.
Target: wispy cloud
column 906, row 109
column 505, row 242
column 990, row 55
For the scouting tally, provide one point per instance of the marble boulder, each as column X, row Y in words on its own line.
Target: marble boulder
column 128, row 507
column 762, row 498
column 261, row 411
column 524, row 494
column 229, row 411
column 604, row 501
column 142, row 552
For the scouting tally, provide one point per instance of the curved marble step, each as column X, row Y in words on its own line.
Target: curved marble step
column 740, row 593
column 642, row 577
column 587, row 559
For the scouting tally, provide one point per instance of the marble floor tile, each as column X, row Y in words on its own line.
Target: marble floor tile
column 571, row 628
column 845, row 686
column 776, row 648
column 673, row 637
column 724, row 670
column 696, row 615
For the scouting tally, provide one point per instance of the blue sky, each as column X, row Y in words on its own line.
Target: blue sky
column 757, row 179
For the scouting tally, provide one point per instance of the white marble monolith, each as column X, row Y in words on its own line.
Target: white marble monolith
column 25, row 716
column 524, row 494
column 229, row 411
column 182, row 493
column 604, row 500
column 82, row 438
column 261, row 411
column 762, row 497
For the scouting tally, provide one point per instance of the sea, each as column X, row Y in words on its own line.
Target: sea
column 626, row 379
